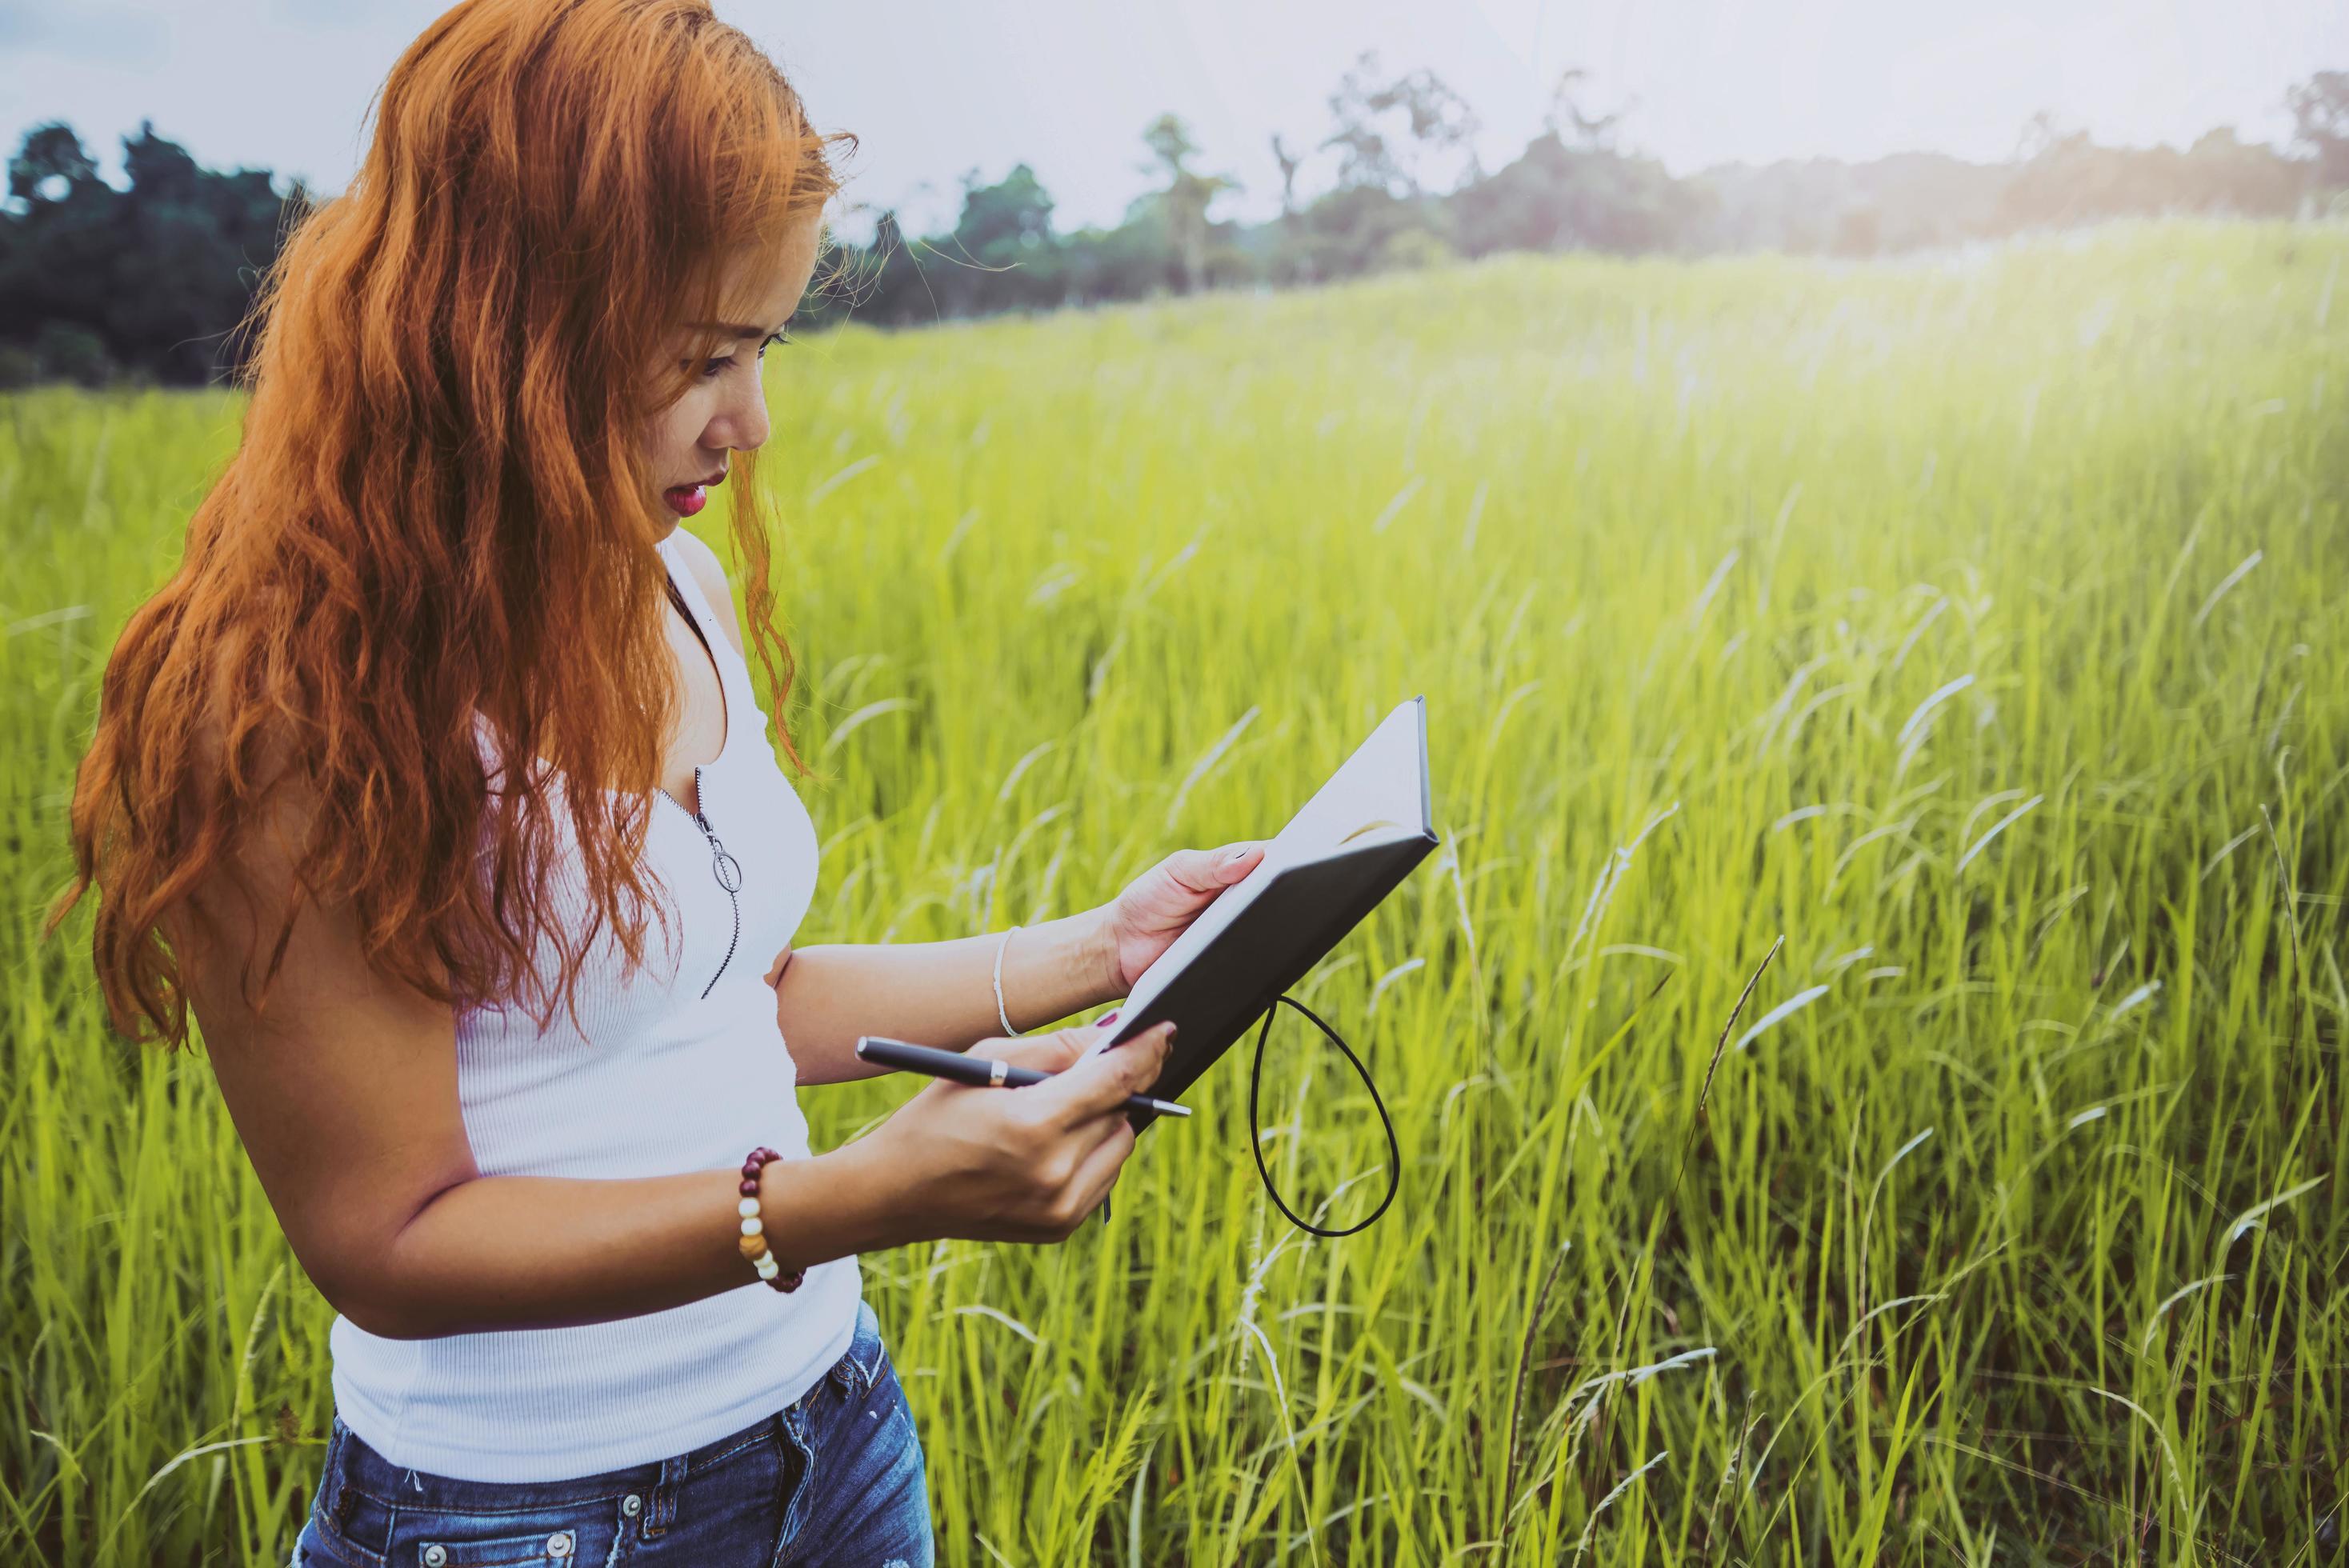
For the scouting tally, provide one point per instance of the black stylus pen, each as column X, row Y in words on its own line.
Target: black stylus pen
column 980, row 1072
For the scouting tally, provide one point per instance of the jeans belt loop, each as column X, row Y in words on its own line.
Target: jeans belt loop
column 334, row 1476
column 662, row 1512
column 869, row 1373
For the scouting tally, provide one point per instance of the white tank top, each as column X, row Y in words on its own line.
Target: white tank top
column 660, row 1079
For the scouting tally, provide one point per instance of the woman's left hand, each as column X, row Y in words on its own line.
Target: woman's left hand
column 1157, row 906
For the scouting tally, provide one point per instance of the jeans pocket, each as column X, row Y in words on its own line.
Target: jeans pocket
column 352, row 1531
column 318, row 1546
column 556, row 1535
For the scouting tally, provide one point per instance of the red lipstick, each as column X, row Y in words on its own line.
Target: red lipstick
column 686, row 500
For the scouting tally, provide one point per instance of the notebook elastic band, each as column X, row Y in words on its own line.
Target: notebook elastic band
column 1256, row 1137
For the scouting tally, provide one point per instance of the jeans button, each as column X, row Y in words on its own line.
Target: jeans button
column 632, row 1505
column 435, row 1555
column 559, row 1543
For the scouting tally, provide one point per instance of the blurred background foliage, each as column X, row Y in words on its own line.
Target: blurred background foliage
column 149, row 282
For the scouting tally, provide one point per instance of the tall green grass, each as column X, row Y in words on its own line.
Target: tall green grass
column 1979, row 627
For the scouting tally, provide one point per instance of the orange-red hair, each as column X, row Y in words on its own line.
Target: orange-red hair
column 440, row 508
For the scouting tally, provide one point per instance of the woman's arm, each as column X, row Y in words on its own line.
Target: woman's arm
column 344, row 1089
column 938, row 994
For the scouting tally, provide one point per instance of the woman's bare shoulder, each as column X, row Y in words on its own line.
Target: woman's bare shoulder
column 708, row 572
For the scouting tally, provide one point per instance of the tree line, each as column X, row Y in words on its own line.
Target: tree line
column 147, row 282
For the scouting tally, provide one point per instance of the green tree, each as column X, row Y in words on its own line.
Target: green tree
column 1576, row 187
column 48, row 166
column 1187, row 196
column 1009, row 219
column 2320, row 114
column 1570, row 122
column 1290, row 162
column 1392, row 131
column 151, row 280
column 1555, row 197
column 1006, row 230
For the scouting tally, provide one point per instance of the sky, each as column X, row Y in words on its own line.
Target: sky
column 935, row 90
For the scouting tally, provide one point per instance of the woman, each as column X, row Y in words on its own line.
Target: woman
column 596, row 1299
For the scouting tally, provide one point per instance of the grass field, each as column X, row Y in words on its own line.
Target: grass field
column 1979, row 626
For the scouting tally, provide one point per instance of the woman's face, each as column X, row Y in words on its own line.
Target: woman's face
column 725, row 410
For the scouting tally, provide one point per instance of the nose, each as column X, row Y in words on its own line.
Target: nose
column 741, row 422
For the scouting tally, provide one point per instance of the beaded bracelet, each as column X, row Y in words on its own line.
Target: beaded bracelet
column 754, row 1228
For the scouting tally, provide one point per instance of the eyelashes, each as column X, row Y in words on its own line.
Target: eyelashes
column 712, row 366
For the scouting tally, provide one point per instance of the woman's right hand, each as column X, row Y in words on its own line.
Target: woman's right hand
column 1016, row 1165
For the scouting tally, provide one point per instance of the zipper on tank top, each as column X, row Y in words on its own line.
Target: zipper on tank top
column 723, row 866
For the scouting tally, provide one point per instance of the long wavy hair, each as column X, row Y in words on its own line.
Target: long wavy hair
column 441, row 514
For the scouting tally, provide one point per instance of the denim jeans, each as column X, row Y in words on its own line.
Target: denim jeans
column 836, row 1478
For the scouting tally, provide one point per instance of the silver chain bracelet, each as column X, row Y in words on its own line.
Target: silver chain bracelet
column 1002, row 1016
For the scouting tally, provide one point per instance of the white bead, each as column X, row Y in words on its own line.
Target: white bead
column 767, row 1267
column 747, row 1207
column 754, row 1226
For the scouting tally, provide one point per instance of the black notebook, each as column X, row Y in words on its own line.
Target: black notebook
column 1345, row 849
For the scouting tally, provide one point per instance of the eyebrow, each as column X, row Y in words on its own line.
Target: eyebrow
column 736, row 328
